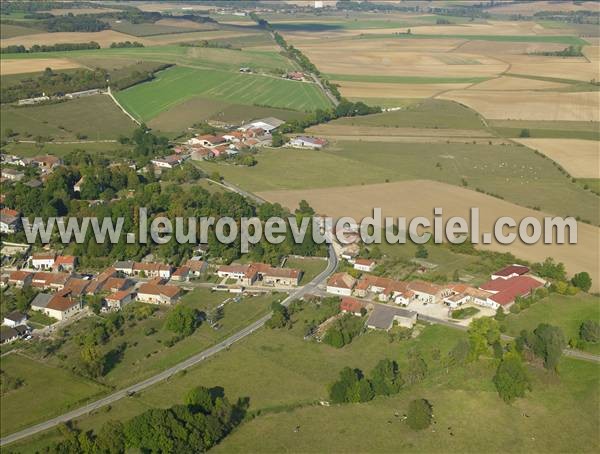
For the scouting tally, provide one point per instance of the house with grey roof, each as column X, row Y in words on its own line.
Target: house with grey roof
column 40, row 301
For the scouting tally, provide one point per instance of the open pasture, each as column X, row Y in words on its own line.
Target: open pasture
column 48, row 390
column 95, row 117
column 586, row 130
column 507, row 83
column 174, row 86
column 199, row 109
column 420, row 197
column 581, row 158
column 530, row 105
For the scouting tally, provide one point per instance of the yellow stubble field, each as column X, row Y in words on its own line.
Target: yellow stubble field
column 420, row 197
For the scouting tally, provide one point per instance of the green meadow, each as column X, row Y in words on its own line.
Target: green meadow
column 176, row 85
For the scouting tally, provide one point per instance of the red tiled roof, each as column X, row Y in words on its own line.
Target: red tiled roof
column 341, row 280
column 65, row 260
column 423, row 287
column 351, row 305
column 364, row 262
column 512, row 269
column 18, row 275
column 506, row 290
column 157, row 289
column 118, row 296
column 9, row 212
column 61, row 303
column 195, row 265
column 43, row 256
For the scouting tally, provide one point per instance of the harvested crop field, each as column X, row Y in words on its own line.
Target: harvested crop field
column 33, row 65
column 531, row 105
column 424, row 196
column 529, row 8
column 581, row 158
column 367, row 90
column 517, row 83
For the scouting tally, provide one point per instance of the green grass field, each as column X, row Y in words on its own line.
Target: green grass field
column 429, row 113
column 176, row 85
column 311, row 267
column 145, row 355
column 588, row 130
column 559, row 39
column 97, row 117
column 48, row 390
column 285, row 376
column 513, row 172
column 567, row 312
column 196, row 57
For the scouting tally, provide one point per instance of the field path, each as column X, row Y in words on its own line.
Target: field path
column 135, row 120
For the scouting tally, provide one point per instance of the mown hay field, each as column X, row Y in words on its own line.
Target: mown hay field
column 35, row 65
column 176, row 85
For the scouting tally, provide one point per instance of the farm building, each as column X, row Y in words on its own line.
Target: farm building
column 383, row 317
column 168, row 162
column 267, row 124
column 56, row 306
column 155, row 293
column 510, row 271
column 314, row 143
column 504, row 291
column 20, row 279
column 118, row 300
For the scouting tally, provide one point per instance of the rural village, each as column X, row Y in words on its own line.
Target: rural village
column 298, row 109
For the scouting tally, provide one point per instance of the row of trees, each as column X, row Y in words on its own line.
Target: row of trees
column 205, row 418
column 61, row 47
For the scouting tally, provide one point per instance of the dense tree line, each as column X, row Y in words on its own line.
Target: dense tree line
column 125, row 44
column 205, row 418
column 8, row 7
column 62, row 47
column 75, row 23
column 54, row 84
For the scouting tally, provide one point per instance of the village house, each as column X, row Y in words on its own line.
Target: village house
column 350, row 305
column 9, row 220
column 49, row 281
column 341, row 284
column 207, row 140
column 116, row 284
column 505, row 291
column 47, row 162
column 461, row 294
column 118, row 300
column 168, row 162
column 366, row 265
column 428, row 293
column 76, row 286
column 65, row 263
column 20, row 279
column 15, row 318
column 313, row 143
column 139, row 269
column 181, row 274
column 383, row 317
column 294, row 75
column 57, row 306
column 510, row 271
column 156, row 293
column 43, row 261
column 196, row 267
column 281, row 277
column 96, row 284
column 244, row 273
column 201, row 153
column 8, row 335
column 12, row 174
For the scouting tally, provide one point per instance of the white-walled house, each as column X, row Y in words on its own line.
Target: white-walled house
column 341, row 284
column 15, row 318
column 366, row 265
column 43, row 261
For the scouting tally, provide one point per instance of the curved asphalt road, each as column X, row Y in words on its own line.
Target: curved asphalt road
column 192, row 361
